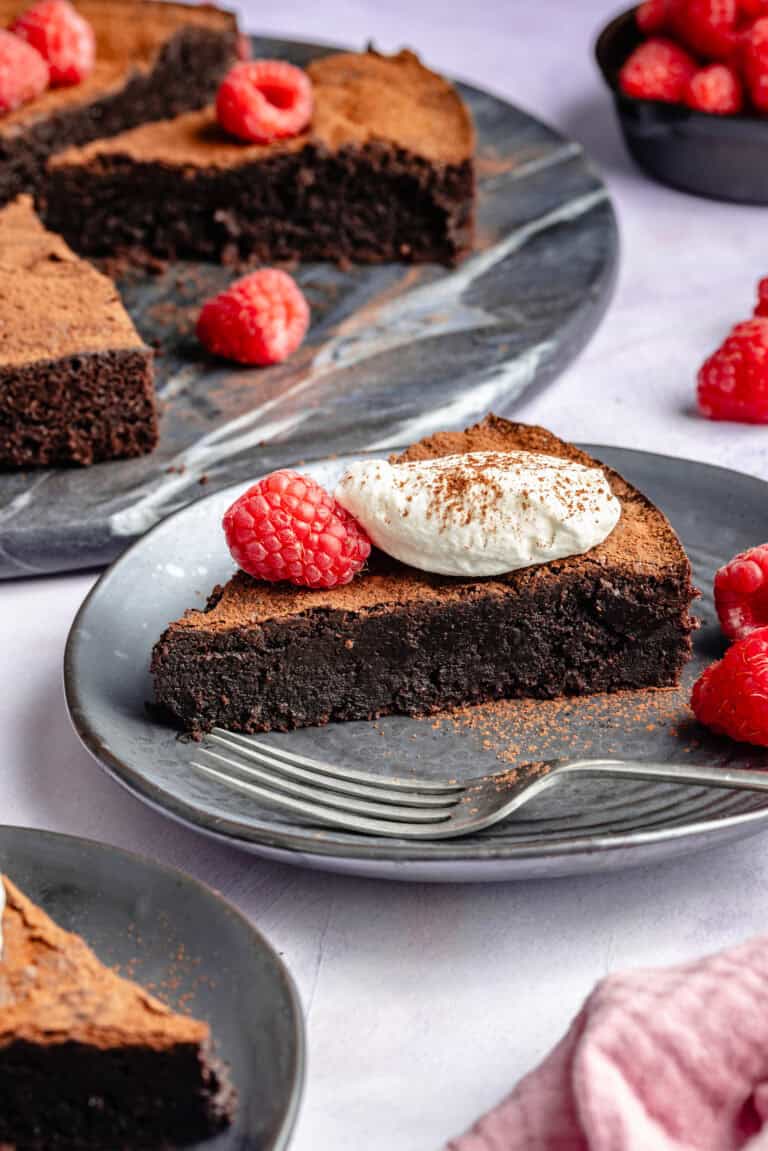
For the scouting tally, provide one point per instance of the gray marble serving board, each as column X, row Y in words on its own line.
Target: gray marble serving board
column 394, row 352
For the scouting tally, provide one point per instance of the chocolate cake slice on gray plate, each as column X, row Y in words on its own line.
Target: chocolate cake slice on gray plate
column 384, row 172
column 153, row 59
column 89, row 1060
column 76, row 379
column 270, row 656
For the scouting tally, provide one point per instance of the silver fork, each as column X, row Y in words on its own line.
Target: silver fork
column 410, row 808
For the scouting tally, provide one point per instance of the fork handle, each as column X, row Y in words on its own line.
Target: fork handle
column 738, row 780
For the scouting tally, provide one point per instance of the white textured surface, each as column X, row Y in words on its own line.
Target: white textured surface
column 424, row 1004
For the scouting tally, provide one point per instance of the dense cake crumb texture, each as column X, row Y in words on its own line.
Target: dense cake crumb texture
column 383, row 172
column 76, row 379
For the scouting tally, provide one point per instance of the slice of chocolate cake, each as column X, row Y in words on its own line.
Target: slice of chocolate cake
column 153, row 60
column 76, row 379
column 272, row 656
column 384, row 172
column 89, row 1060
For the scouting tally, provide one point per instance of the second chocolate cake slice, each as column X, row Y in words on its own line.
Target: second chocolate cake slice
column 270, row 656
column 76, row 379
column 384, row 172
column 90, row 1061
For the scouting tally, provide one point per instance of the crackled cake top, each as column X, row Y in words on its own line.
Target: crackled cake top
column 360, row 98
column 53, row 989
column 130, row 35
column 52, row 303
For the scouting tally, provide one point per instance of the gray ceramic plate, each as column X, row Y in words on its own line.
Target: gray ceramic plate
column 193, row 950
column 394, row 352
column 577, row 827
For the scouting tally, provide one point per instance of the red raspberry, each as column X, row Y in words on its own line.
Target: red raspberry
column 62, row 37
column 731, row 697
column 264, row 100
column 286, row 527
column 23, row 72
column 753, row 9
column 652, row 16
column 717, row 90
column 755, row 63
column 708, row 28
column 733, row 382
column 761, row 307
column 657, row 70
column 741, row 593
column 261, row 319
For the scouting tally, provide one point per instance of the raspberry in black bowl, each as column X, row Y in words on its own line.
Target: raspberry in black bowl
column 690, row 83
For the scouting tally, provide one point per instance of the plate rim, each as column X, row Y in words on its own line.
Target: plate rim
column 320, row 845
column 299, row 1063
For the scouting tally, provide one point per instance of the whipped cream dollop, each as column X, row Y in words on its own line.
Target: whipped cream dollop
column 480, row 514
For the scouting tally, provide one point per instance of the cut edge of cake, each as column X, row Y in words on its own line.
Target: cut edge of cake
column 76, row 378
column 384, row 172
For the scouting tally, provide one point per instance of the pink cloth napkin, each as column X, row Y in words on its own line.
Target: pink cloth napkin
column 673, row 1059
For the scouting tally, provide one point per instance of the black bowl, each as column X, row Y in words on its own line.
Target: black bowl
column 723, row 157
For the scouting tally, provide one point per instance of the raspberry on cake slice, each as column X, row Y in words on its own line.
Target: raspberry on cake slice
column 63, row 37
column 287, row 527
column 24, row 74
column 264, row 100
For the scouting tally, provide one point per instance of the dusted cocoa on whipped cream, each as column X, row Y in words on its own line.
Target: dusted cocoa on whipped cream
column 482, row 513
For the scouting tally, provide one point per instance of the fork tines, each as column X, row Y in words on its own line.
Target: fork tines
column 322, row 791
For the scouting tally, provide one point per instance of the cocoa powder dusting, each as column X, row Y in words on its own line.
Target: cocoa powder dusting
column 521, row 730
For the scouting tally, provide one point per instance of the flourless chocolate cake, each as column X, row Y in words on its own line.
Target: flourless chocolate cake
column 396, row 640
column 384, row 172
column 76, row 379
column 90, row 1060
column 153, row 60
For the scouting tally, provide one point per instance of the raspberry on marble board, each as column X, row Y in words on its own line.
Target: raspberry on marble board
column 260, row 319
